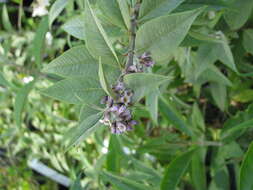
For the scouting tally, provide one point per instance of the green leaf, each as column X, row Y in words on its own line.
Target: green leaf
column 75, row 27
column 4, row 82
column 39, row 40
column 246, row 170
column 111, row 10
column 78, row 90
column 238, row 13
column 176, row 170
column 56, row 9
column 151, row 9
column 123, row 183
column 77, row 184
column 103, row 80
column 219, row 94
column 86, row 111
column 97, row 41
column 78, row 62
column 84, row 130
column 113, row 155
column 171, row 114
column 6, row 20
column 124, row 9
column 198, row 173
column 248, row 40
column 229, row 134
column 20, row 101
column 143, row 83
column 162, row 35
column 152, row 104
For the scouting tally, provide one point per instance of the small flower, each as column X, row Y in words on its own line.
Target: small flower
column 40, row 8
column 146, row 60
column 119, row 87
column 132, row 69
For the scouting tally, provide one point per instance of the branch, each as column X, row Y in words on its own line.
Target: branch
column 133, row 29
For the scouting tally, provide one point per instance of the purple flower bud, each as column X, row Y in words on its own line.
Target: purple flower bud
column 146, row 59
column 126, row 115
column 109, row 102
column 104, row 100
column 119, row 87
column 114, row 108
column 132, row 69
column 121, row 127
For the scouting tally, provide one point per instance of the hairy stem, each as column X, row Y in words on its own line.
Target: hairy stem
column 133, row 28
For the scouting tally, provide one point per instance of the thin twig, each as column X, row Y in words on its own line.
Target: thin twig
column 133, row 28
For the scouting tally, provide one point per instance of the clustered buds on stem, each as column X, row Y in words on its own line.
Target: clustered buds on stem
column 117, row 114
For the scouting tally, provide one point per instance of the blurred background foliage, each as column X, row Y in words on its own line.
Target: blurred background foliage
column 211, row 92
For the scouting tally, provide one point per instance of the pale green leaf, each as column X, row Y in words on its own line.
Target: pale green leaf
column 75, row 27
column 86, row 111
column 103, row 80
column 238, row 14
column 143, row 83
column 56, row 9
column 162, row 35
column 246, row 170
column 5, row 19
column 248, row 40
column 176, row 170
column 114, row 154
column 123, row 183
column 152, row 104
column 78, row 90
column 97, row 41
column 83, row 130
column 152, row 9
column 39, row 41
column 20, row 101
column 4, row 82
column 78, row 62
column 124, row 9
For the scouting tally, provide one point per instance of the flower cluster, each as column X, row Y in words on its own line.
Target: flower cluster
column 117, row 115
column 145, row 61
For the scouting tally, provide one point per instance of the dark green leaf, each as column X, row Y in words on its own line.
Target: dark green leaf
column 171, row 114
column 248, row 40
column 246, row 171
column 176, row 170
column 56, row 9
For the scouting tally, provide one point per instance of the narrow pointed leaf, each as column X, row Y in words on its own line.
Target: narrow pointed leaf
column 246, row 170
column 56, row 9
column 176, row 170
column 75, row 27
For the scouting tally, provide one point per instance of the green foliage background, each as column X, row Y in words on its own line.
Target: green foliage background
column 194, row 107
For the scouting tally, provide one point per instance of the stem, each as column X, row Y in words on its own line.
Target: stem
column 133, row 28
column 20, row 10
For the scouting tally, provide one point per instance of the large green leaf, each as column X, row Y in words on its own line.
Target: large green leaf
column 238, row 13
column 78, row 62
column 84, row 130
column 97, row 41
column 143, row 83
column 176, row 170
column 171, row 114
column 124, row 9
column 152, row 9
column 20, row 101
column 78, row 90
column 162, row 35
column 56, row 9
column 248, row 40
column 75, row 27
column 246, row 171
column 123, row 183
column 87, row 111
